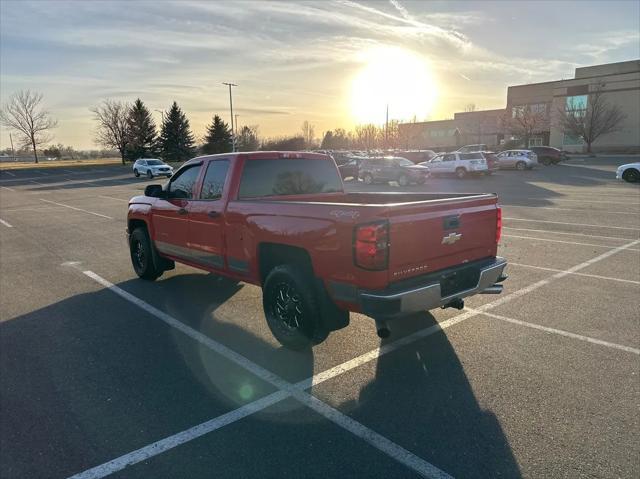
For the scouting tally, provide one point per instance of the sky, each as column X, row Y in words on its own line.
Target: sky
column 332, row 63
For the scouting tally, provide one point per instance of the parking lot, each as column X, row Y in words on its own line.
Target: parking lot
column 103, row 374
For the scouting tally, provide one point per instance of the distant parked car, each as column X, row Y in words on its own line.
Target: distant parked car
column 351, row 168
column 389, row 168
column 548, row 155
column 518, row 159
column 416, row 156
column 472, row 148
column 151, row 167
column 459, row 164
column 629, row 172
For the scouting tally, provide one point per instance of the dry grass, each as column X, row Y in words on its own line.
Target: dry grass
column 60, row 163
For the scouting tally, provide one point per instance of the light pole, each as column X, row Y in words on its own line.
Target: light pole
column 161, row 113
column 236, row 117
column 233, row 135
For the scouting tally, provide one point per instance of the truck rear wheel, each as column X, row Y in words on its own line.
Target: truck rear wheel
column 461, row 173
column 292, row 308
column 142, row 255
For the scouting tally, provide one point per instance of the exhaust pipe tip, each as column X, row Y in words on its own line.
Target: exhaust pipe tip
column 382, row 329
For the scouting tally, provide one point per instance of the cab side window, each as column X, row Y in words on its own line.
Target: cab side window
column 449, row 157
column 182, row 185
column 214, row 179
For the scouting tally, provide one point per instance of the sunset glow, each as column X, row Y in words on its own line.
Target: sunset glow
column 394, row 77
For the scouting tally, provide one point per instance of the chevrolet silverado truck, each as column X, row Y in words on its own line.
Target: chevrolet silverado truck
column 282, row 221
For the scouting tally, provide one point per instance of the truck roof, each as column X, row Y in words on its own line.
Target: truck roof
column 265, row 155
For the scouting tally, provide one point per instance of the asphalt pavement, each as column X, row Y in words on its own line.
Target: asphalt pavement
column 106, row 375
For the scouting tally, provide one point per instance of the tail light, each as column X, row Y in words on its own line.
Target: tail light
column 498, row 224
column 371, row 246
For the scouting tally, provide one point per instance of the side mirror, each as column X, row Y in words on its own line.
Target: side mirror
column 154, row 191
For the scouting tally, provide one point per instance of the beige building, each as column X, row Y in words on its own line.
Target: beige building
column 542, row 102
column 621, row 87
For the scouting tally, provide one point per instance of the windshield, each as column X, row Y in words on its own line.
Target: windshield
column 154, row 162
column 405, row 162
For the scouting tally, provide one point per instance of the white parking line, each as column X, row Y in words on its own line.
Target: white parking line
column 564, row 242
column 77, row 209
column 567, row 233
column 383, row 444
column 608, row 278
column 573, row 224
column 5, row 223
column 582, row 201
column 562, row 332
column 38, row 183
column 10, row 174
column 572, row 209
column 297, row 390
column 7, row 188
column 113, row 198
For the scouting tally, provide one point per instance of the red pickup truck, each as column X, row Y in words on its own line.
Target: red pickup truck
column 282, row 220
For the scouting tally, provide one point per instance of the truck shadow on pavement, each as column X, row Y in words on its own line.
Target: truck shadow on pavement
column 93, row 377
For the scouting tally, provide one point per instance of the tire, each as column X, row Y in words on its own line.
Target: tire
column 136, row 173
column 421, row 181
column 140, row 248
column 368, row 179
column 292, row 308
column 461, row 173
column 631, row 175
column 521, row 166
column 546, row 161
column 403, row 180
column 149, row 174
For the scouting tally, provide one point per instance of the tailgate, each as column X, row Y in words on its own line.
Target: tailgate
column 430, row 237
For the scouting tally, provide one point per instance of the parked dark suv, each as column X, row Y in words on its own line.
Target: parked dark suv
column 391, row 168
column 548, row 155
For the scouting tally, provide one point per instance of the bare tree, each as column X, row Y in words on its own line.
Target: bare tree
column 24, row 114
column 524, row 123
column 309, row 134
column 470, row 107
column 112, row 130
column 368, row 136
column 593, row 120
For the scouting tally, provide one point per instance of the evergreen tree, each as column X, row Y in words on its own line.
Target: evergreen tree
column 142, row 132
column 176, row 140
column 218, row 138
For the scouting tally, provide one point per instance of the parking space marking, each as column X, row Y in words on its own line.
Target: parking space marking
column 562, row 332
column 180, row 438
column 112, row 198
column 383, row 444
column 571, row 209
column 581, row 201
column 7, row 188
column 564, row 242
column 608, row 278
column 77, row 209
column 573, row 224
column 10, row 174
column 566, row 233
column 402, row 455
column 38, row 183
column 5, row 223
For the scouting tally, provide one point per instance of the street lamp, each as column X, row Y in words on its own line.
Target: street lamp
column 233, row 135
column 161, row 113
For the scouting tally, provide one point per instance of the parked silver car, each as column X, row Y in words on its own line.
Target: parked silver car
column 151, row 167
column 518, row 159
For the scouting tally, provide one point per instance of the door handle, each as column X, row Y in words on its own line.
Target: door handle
column 213, row 214
column 182, row 211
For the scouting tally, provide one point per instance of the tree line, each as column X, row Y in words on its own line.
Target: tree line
column 131, row 130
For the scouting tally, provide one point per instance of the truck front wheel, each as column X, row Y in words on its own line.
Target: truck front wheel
column 292, row 308
column 142, row 255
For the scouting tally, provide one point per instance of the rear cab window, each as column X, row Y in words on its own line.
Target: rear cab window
column 214, row 179
column 288, row 176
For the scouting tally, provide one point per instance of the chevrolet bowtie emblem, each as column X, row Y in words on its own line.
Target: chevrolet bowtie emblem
column 451, row 238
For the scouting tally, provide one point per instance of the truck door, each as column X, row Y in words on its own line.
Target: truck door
column 170, row 216
column 206, row 218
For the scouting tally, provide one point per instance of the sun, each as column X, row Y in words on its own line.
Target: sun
column 394, row 77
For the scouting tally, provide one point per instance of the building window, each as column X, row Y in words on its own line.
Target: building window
column 535, row 141
column 577, row 103
column 568, row 139
column 539, row 108
column 517, row 111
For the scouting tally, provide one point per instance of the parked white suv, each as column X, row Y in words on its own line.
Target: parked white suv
column 518, row 159
column 629, row 172
column 459, row 164
column 151, row 167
